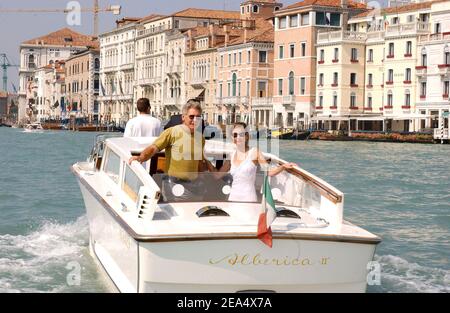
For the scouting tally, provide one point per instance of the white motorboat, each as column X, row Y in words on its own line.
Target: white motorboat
column 33, row 128
column 147, row 243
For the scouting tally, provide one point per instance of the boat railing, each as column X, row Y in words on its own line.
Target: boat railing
column 98, row 147
column 303, row 189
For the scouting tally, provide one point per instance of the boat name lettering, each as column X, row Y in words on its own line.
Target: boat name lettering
column 257, row 259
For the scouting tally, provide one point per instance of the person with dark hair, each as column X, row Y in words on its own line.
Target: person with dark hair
column 143, row 125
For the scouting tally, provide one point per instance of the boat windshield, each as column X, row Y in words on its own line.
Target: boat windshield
column 286, row 189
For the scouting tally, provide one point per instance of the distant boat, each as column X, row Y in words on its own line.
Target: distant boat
column 33, row 128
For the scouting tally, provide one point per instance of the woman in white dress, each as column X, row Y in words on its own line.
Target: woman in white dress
column 243, row 165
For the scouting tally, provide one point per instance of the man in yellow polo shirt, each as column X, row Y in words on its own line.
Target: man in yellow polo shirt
column 184, row 145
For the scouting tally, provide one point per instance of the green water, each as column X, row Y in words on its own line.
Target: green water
column 400, row 192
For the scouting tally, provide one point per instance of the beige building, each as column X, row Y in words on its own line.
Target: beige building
column 40, row 52
column 117, row 72
column 160, row 60
column 387, row 76
column 202, row 65
column 83, row 85
column 434, row 72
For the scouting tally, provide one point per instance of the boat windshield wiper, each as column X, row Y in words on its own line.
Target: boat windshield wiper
column 283, row 212
column 209, row 211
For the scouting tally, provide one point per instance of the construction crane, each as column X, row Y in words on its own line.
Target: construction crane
column 115, row 9
column 4, row 64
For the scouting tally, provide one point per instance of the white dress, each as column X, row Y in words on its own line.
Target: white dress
column 244, row 178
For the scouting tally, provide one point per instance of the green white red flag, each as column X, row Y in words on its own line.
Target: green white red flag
column 268, row 214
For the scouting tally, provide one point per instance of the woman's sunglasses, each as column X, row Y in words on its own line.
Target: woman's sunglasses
column 235, row 135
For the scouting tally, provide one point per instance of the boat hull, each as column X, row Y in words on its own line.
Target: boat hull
column 222, row 265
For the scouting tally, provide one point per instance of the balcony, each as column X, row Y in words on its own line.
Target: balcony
column 444, row 69
column 421, row 70
column 336, row 36
column 198, row 83
column 354, row 108
column 406, row 107
column 173, row 69
column 245, row 101
column 407, row 29
column 375, row 36
column 289, row 100
column 172, row 102
column 407, row 82
column 434, row 37
column 128, row 66
column 262, row 102
column 148, row 81
column 445, row 97
column 153, row 30
column 230, row 101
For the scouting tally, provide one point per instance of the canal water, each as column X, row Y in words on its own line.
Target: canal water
column 400, row 192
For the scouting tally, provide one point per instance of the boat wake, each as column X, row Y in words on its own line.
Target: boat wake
column 399, row 275
column 47, row 259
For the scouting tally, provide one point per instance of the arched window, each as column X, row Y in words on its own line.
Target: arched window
column 424, row 57
column 407, row 98
column 321, row 100
column 335, row 99
column 369, row 101
column 390, row 99
column 97, row 64
column 255, row 8
column 234, row 82
column 446, row 55
column 353, row 100
column 31, row 63
column 291, row 83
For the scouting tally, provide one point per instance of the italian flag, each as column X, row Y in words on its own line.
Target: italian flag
column 268, row 214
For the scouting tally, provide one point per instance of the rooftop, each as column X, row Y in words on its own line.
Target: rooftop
column 64, row 37
column 325, row 3
column 402, row 8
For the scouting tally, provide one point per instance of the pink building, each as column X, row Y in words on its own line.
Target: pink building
column 245, row 67
column 296, row 28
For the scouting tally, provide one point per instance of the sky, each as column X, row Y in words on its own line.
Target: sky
column 16, row 28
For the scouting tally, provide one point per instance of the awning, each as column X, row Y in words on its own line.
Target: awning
column 330, row 118
column 198, row 94
column 410, row 117
column 371, row 118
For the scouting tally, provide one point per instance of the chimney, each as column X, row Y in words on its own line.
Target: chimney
column 245, row 35
column 212, row 34
column 190, row 40
column 344, row 5
column 227, row 35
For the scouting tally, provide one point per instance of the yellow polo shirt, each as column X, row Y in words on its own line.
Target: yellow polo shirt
column 184, row 151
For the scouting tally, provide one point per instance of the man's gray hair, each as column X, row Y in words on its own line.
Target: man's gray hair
column 192, row 104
